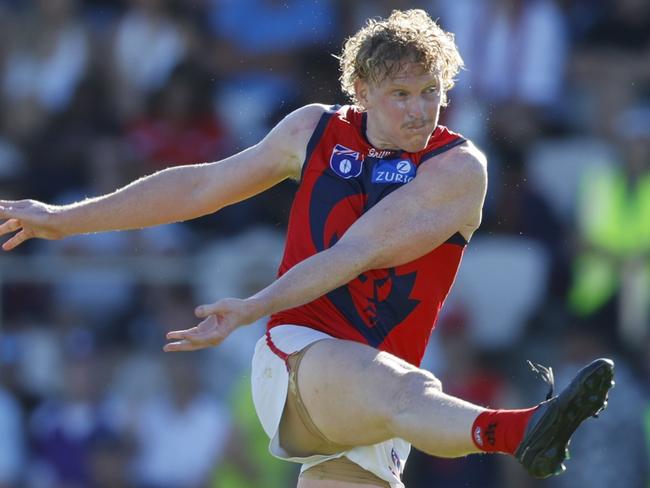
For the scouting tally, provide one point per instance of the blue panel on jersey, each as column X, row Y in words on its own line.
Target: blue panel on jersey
column 382, row 311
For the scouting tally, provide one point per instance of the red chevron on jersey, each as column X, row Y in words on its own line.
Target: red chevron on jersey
column 343, row 176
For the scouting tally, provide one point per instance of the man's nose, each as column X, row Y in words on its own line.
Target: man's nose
column 416, row 108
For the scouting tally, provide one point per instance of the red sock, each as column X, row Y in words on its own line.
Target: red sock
column 500, row 430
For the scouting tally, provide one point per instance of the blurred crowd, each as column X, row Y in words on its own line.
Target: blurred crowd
column 96, row 93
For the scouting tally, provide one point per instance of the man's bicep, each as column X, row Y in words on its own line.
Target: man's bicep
column 277, row 157
column 423, row 214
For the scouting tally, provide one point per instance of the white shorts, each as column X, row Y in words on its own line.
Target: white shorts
column 270, row 382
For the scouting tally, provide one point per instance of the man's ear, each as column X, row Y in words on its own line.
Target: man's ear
column 361, row 90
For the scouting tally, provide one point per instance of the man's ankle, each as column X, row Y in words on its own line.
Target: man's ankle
column 500, row 430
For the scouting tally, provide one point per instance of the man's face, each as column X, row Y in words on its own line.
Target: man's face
column 402, row 111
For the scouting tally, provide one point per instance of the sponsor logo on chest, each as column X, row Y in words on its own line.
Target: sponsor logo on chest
column 348, row 163
column 374, row 153
column 393, row 171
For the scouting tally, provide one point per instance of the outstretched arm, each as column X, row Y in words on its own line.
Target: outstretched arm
column 173, row 194
column 446, row 197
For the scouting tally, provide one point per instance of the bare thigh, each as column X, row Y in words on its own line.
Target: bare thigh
column 352, row 392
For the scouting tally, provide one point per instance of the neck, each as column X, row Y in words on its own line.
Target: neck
column 374, row 136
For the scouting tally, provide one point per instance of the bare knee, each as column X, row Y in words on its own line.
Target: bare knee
column 432, row 381
column 416, row 387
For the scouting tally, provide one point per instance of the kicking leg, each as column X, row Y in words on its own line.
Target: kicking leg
column 356, row 395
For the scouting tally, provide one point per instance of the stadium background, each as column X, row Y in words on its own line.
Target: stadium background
column 96, row 93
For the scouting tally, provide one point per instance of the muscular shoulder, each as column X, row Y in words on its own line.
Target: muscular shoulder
column 462, row 168
column 306, row 117
column 289, row 138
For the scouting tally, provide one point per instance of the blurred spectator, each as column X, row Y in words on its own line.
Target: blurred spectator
column 148, row 44
column 264, row 54
column 38, row 358
column 610, row 65
column 48, row 57
column 515, row 53
column 65, row 153
column 181, row 434
column 555, row 167
column 179, row 126
column 64, row 428
column 614, row 225
column 514, row 50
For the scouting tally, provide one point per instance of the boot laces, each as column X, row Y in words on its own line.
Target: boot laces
column 545, row 374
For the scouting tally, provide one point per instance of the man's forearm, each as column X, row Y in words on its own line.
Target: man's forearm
column 163, row 197
column 310, row 279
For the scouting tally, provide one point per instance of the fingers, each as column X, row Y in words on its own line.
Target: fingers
column 207, row 334
column 10, row 225
column 204, row 311
column 189, row 344
column 15, row 241
column 182, row 346
column 176, row 334
column 185, row 340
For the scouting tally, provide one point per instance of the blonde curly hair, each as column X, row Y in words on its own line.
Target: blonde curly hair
column 381, row 48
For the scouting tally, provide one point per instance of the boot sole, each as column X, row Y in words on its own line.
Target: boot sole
column 545, row 447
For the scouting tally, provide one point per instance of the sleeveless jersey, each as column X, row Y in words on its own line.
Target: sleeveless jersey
column 393, row 309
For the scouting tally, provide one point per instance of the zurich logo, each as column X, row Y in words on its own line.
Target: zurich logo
column 403, row 167
column 345, row 162
column 393, row 171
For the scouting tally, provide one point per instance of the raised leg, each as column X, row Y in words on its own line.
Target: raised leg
column 357, row 395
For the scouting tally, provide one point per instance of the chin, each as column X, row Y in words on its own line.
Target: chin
column 417, row 145
column 415, row 142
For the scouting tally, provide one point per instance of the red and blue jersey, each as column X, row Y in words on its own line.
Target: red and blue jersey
column 343, row 176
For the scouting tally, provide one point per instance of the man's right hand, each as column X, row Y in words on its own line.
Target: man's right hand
column 28, row 219
column 220, row 319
